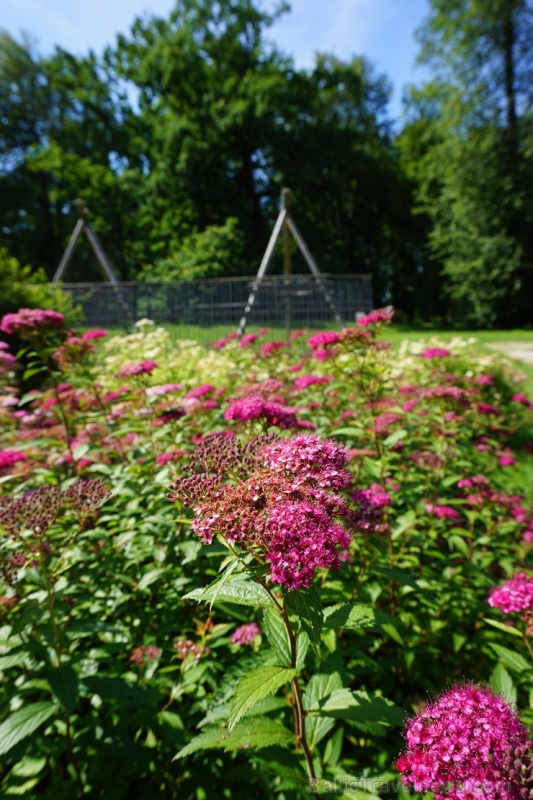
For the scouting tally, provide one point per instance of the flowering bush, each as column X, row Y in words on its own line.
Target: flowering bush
column 271, row 552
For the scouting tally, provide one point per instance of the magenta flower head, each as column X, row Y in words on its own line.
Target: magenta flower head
column 514, row 596
column 309, row 458
column 324, row 339
column 252, row 406
column 28, row 321
column 435, row 352
column 137, row 368
column 246, row 634
column 303, row 539
column 95, row 333
column 376, row 317
column 467, row 744
column 8, row 458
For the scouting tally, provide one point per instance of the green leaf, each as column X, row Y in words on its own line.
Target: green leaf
column 13, row 659
column 240, row 590
column 403, row 523
column 502, row 683
column 248, row 734
column 320, row 686
column 255, row 686
column 394, row 438
column 360, row 617
column 360, row 707
column 276, row 632
column 305, row 604
column 65, row 686
column 503, row 627
column 150, row 577
column 23, row 722
column 357, row 433
column 514, row 661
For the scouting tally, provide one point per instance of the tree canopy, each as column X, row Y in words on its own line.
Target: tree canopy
column 180, row 137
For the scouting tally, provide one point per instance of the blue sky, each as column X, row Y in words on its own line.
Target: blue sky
column 380, row 29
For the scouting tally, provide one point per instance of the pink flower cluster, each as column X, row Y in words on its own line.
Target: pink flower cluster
column 467, row 744
column 246, row 634
column 137, row 368
column 8, row 458
column 140, row 655
column 308, row 458
column 7, row 360
column 186, row 647
column 310, row 380
column 252, row 406
column 95, row 333
column 369, row 515
column 303, row 539
column 29, row 320
column 324, row 339
column 198, row 392
column 442, row 511
column 270, row 347
column 515, row 595
column 282, row 510
column 378, row 316
column 435, row 352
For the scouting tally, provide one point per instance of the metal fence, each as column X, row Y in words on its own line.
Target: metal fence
column 198, row 308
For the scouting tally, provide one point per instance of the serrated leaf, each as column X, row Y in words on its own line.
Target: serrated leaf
column 502, row 683
column 305, row 604
column 258, row 684
column 23, row 722
column 278, row 638
column 65, row 686
column 240, row 590
column 248, row 734
column 514, row 661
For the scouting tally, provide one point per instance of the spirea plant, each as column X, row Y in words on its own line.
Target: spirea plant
column 241, row 568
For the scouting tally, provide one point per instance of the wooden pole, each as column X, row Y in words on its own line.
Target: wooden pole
column 287, row 263
column 262, row 268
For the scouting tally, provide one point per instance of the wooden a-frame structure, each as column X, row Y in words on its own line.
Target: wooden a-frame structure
column 82, row 226
column 286, row 225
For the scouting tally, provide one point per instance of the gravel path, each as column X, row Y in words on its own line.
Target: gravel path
column 521, row 351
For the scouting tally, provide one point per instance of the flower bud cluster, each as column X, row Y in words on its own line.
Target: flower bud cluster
column 282, row 504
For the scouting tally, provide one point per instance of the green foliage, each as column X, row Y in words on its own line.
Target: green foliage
column 24, row 287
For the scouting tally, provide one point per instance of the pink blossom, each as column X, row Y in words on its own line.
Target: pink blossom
column 324, row 339
column 303, row 539
column 186, row 647
column 140, row 655
column 435, row 352
column 165, row 388
column 220, row 343
column 521, row 398
column 8, row 458
column 248, row 339
column 310, row 380
column 200, row 391
column 528, row 536
column 246, row 634
column 380, row 315
column 487, row 408
column 30, row 320
column 137, row 368
column 297, row 335
column 271, row 347
column 467, row 738
column 442, row 512
column 96, row 333
column 515, row 595
column 506, row 461
column 308, row 457
column 252, row 406
column 484, row 380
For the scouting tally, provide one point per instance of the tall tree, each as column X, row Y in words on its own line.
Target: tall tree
column 475, row 169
